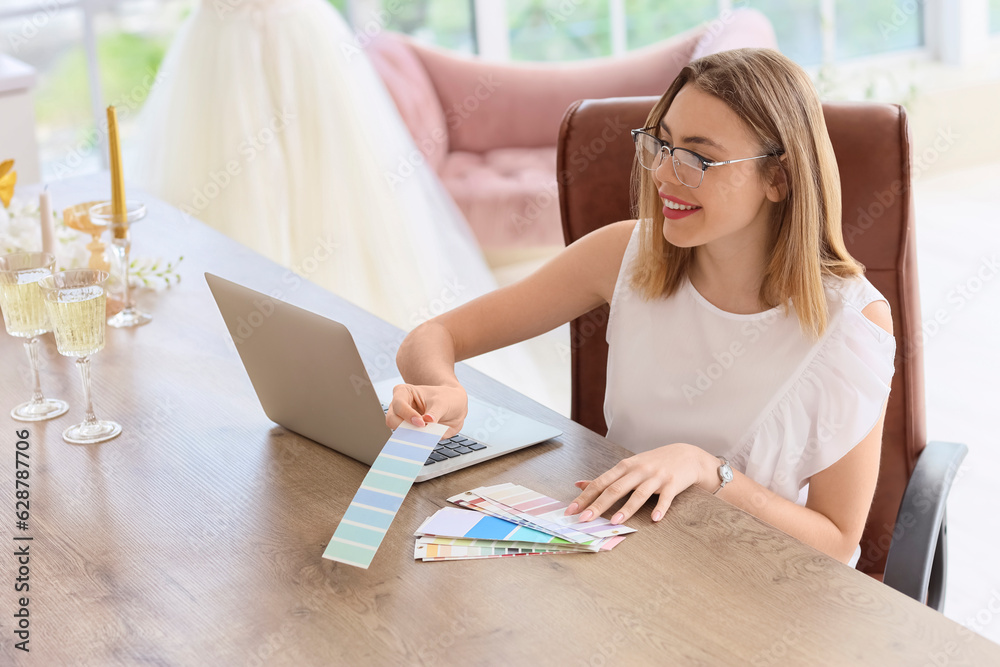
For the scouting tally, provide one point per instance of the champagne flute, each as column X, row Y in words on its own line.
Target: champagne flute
column 75, row 300
column 121, row 241
column 25, row 317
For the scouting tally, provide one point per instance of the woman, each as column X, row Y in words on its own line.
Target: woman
column 745, row 344
column 269, row 123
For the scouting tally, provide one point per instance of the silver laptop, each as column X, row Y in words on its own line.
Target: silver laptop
column 309, row 378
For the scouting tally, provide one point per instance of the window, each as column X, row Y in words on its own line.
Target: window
column 798, row 27
column 876, row 26
column 444, row 23
column 131, row 40
column 51, row 43
column 647, row 23
column 546, row 30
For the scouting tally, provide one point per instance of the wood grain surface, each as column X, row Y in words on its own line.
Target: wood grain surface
column 195, row 538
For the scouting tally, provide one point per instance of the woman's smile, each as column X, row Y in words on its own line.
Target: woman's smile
column 675, row 208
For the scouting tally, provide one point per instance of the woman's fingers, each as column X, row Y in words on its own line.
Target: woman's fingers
column 402, row 408
column 635, row 501
column 590, row 491
column 667, row 495
column 609, row 496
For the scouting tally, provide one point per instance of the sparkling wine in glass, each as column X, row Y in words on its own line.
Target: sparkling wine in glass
column 24, row 316
column 75, row 300
column 121, row 243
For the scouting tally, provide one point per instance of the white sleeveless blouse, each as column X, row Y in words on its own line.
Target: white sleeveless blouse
column 752, row 388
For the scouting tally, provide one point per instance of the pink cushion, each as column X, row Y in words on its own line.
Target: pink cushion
column 508, row 195
column 412, row 91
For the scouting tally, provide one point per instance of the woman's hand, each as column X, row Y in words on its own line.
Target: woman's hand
column 448, row 405
column 666, row 470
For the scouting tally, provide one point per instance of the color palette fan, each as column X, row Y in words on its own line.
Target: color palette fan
column 510, row 520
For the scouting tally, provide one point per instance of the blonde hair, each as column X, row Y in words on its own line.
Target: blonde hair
column 779, row 105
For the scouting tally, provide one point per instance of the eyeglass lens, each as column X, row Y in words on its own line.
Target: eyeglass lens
column 687, row 167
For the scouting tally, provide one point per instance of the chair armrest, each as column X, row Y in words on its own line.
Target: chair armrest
column 917, row 560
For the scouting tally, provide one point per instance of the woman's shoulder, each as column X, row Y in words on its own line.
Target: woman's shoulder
column 833, row 400
column 614, row 239
column 856, row 291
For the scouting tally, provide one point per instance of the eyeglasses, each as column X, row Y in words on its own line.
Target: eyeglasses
column 689, row 167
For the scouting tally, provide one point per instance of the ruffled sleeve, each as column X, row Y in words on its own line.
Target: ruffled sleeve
column 828, row 408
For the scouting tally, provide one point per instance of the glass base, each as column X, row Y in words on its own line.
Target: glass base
column 87, row 434
column 50, row 408
column 129, row 317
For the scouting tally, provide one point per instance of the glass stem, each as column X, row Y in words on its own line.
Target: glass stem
column 31, row 347
column 83, row 363
column 122, row 247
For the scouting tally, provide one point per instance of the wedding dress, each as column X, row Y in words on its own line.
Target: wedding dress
column 269, row 123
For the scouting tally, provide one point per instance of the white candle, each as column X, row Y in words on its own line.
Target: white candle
column 48, row 225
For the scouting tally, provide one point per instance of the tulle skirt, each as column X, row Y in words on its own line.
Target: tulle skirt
column 268, row 123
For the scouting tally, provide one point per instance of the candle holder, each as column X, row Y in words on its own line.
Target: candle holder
column 78, row 217
column 121, row 242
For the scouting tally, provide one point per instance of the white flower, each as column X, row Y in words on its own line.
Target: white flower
column 20, row 231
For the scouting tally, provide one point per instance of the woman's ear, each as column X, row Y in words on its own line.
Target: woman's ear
column 777, row 188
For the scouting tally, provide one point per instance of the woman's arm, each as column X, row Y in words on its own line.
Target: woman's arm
column 832, row 520
column 577, row 280
column 569, row 285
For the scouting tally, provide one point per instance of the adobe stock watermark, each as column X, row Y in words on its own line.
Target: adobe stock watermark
column 455, row 116
column 779, row 650
column 589, row 324
column 263, row 308
column 33, row 24
column 89, row 490
column 252, row 145
column 885, row 199
column 371, row 27
column 959, row 297
column 903, row 11
column 924, row 503
column 580, row 160
column 704, row 378
column 124, row 106
column 825, row 432
column 950, row 652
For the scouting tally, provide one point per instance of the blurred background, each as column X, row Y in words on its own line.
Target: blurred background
column 65, row 60
column 930, row 55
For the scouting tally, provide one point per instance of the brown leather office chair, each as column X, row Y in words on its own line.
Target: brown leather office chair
column 904, row 542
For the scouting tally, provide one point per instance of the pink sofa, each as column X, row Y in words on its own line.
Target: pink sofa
column 489, row 129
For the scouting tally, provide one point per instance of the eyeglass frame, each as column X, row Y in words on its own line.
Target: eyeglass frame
column 705, row 163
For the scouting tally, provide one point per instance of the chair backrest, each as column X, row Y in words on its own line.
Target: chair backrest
column 872, row 145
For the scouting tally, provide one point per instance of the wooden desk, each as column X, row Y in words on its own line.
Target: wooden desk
column 196, row 536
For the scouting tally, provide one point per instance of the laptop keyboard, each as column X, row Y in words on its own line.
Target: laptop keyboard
column 450, row 448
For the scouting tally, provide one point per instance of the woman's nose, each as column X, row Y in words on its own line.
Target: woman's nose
column 664, row 173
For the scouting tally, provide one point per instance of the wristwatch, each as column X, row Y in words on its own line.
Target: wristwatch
column 725, row 474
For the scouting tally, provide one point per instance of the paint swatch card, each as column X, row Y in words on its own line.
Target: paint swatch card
column 455, row 522
column 475, row 502
column 359, row 533
column 506, row 520
column 546, row 513
column 451, row 522
column 472, row 500
column 460, row 549
column 606, row 545
column 434, row 552
column 543, row 510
